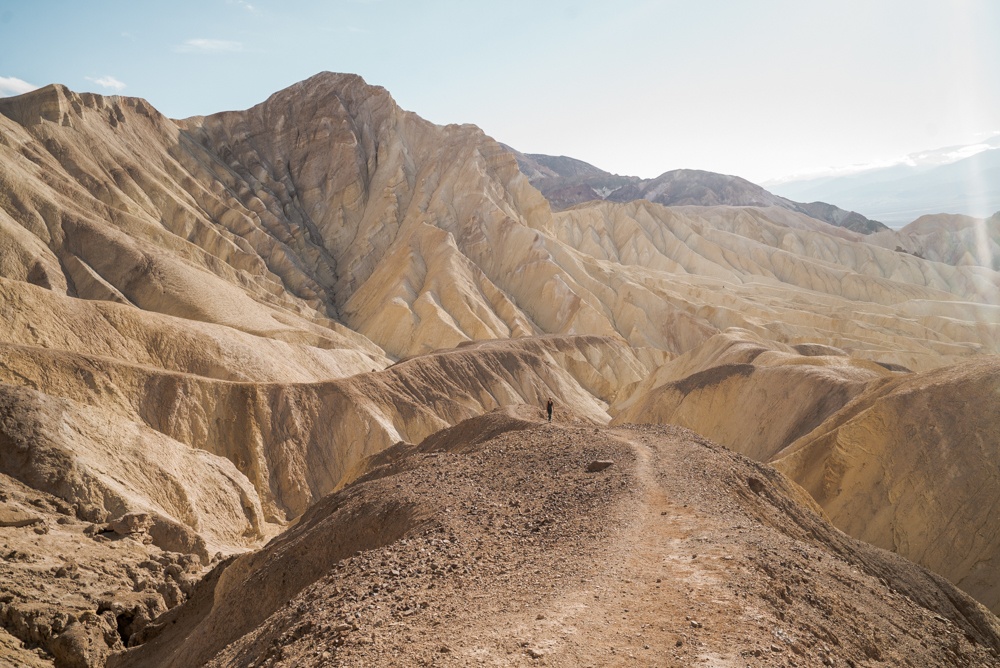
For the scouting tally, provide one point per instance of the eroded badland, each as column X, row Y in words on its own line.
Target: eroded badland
column 272, row 389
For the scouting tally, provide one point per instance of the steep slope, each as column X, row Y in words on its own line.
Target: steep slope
column 97, row 206
column 905, row 461
column 327, row 204
column 911, row 465
column 434, row 558
column 291, row 443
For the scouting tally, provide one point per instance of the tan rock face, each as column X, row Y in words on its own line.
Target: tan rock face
column 910, row 465
column 215, row 322
column 328, row 201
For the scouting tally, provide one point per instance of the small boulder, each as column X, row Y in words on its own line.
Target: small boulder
column 131, row 523
column 599, row 465
column 12, row 516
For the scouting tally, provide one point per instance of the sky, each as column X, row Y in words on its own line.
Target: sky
column 763, row 89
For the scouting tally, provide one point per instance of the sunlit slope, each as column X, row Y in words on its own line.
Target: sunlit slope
column 911, row 465
column 283, row 445
column 789, row 279
column 327, row 208
column 752, row 396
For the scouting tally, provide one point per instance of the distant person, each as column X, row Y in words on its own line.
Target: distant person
column 548, row 408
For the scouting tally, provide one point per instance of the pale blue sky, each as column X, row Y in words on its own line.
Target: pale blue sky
column 757, row 88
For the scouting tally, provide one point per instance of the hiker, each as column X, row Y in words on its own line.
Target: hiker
column 548, row 408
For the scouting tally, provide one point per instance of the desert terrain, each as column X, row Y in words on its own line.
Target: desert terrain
column 272, row 388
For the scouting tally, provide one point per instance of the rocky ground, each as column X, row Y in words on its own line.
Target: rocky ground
column 73, row 590
column 503, row 541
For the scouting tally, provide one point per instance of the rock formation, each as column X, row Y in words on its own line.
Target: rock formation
column 215, row 323
column 905, row 461
column 911, row 465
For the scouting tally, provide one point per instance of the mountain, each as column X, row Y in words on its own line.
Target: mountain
column 566, row 182
column 226, row 336
column 901, row 193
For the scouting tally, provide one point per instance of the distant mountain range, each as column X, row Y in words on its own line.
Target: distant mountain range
column 566, row 182
column 943, row 181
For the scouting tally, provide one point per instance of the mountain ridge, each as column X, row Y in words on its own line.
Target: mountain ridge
column 902, row 193
column 257, row 305
column 566, row 182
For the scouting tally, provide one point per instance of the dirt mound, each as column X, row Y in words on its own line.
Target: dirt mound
column 509, row 552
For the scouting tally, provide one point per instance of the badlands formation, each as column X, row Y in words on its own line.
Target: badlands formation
column 271, row 386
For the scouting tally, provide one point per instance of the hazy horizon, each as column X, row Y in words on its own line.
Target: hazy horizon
column 763, row 90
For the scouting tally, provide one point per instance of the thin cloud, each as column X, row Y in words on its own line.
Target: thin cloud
column 245, row 5
column 209, row 46
column 107, row 82
column 14, row 86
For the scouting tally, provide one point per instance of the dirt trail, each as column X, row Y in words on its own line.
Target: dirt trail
column 655, row 595
column 678, row 554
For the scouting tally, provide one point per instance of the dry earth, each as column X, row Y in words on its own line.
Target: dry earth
column 493, row 544
column 71, row 591
column 212, row 325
